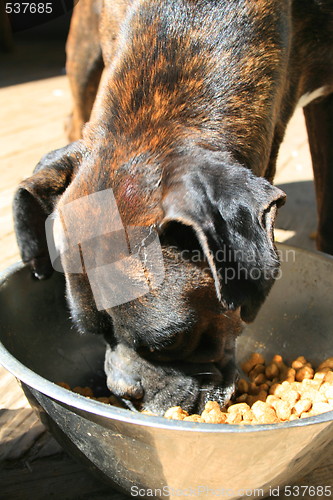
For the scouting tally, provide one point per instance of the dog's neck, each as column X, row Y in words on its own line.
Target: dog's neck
column 164, row 86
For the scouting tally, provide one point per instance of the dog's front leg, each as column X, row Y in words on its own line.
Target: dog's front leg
column 84, row 63
column 319, row 122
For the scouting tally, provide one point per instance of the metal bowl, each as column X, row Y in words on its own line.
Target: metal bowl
column 140, row 453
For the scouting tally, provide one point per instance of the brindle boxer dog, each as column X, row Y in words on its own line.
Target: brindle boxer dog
column 184, row 129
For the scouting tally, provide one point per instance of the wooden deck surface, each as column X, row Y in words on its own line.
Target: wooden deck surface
column 32, row 464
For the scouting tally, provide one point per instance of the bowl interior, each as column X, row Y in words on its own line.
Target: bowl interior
column 297, row 317
column 36, row 329
column 129, row 448
column 295, row 320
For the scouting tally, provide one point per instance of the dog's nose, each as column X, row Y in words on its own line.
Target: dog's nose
column 121, row 381
column 124, row 386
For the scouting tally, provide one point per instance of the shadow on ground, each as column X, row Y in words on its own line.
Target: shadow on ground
column 299, row 213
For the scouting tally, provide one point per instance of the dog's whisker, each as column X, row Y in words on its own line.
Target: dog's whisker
column 129, row 405
column 203, row 373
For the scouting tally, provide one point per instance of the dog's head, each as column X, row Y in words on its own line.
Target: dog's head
column 189, row 256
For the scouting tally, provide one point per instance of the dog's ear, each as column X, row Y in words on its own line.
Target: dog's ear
column 34, row 201
column 232, row 212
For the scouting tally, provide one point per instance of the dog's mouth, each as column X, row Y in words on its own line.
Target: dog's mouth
column 214, row 382
column 157, row 386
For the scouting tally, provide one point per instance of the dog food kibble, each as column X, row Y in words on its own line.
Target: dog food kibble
column 273, row 392
column 88, row 393
column 176, row 413
column 84, row 391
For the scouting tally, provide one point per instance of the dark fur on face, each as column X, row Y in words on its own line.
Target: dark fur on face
column 186, row 125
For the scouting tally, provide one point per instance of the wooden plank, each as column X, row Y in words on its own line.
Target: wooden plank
column 19, row 426
column 26, row 136
column 295, row 140
column 57, row 477
column 11, row 394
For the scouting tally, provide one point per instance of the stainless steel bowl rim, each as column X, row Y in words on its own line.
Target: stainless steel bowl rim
column 57, row 393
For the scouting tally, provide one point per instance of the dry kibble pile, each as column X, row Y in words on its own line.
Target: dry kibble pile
column 88, row 393
column 272, row 393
